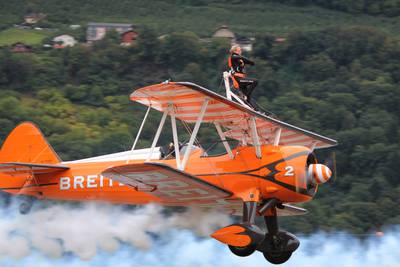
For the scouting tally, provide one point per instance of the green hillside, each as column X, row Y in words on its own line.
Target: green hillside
column 32, row 37
column 389, row 8
column 199, row 16
column 342, row 82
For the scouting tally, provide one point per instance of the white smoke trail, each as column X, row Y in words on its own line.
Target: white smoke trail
column 84, row 229
column 103, row 235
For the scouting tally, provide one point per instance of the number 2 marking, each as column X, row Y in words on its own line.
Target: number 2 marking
column 289, row 171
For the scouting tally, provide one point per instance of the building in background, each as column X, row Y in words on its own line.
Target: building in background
column 97, row 31
column 224, row 32
column 280, row 40
column 33, row 18
column 128, row 37
column 20, row 47
column 63, row 41
column 244, row 42
column 75, row 26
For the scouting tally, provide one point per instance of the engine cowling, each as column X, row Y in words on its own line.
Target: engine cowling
column 318, row 173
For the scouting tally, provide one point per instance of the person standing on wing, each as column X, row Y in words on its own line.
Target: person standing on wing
column 237, row 63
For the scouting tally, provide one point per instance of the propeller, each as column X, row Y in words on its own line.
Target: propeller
column 316, row 173
column 330, row 162
column 302, row 181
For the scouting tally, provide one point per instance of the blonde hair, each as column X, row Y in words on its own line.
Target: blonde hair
column 234, row 48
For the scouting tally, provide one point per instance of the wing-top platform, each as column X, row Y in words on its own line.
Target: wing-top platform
column 187, row 100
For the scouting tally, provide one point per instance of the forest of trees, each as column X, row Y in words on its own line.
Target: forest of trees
column 374, row 7
column 341, row 82
column 243, row 17
column 389, row 8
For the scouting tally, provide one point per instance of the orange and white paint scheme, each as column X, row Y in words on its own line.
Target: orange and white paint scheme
column 272, row 166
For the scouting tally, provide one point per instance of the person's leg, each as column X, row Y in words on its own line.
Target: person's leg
column 247, row 86
column 252, row 87
column 250, row 84
column 240, row 88
column 235, row 82
column 243, row 90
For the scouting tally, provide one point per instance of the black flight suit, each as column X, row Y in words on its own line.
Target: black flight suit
column 237, row 65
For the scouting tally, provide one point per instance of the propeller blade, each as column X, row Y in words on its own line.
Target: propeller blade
column 331, row 163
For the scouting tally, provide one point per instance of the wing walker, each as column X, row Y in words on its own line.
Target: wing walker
column 272, row 167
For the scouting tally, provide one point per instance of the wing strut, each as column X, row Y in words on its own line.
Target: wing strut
column 277, row 139
column 141, row 128
column 223, row 139
column 175, row 136
column 256, row 139
column 153, row 145
column 194, row 133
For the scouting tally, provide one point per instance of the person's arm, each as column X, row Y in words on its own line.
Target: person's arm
column 247, row 61
column 237, row 58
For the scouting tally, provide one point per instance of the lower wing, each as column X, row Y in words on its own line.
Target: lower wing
column 178, row 188
column 170, row 185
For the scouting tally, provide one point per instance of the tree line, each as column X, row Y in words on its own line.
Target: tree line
column 390, row 8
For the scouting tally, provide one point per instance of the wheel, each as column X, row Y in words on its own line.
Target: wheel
column 243, row 251
column 25, row 207
column 277, row 257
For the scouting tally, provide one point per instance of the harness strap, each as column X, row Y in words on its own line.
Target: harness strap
column 230, row 61
column 238, row 74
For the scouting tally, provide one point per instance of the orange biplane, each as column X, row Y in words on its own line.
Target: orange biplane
column 272, row 165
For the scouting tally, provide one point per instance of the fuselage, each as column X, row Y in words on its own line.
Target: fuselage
column 280, row 173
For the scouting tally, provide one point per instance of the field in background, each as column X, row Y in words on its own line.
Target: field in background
column 13, row 35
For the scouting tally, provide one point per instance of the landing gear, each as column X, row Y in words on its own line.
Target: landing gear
column 278, row 248
column 278, row 245
column 25, row 205
column 249, row 215
column 243, row 251
column 244, row 238
column 277, row 257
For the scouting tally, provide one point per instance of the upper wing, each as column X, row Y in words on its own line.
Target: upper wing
column 187, row 99
column 172, row 186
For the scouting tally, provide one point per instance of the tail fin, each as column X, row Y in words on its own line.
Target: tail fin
column 27, row 144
